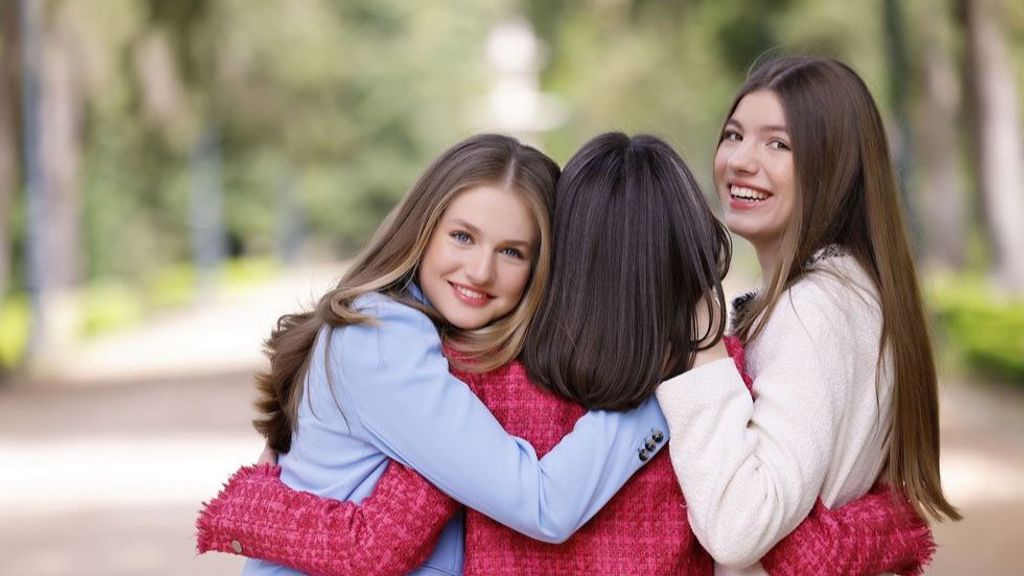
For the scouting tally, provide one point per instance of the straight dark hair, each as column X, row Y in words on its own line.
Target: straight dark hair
column 636, row 250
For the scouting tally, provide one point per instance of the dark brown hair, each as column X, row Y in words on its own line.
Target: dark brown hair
column 636, row 250
column 848, row 196
column 389, row 263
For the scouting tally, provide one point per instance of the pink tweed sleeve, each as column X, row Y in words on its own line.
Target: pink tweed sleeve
column 878, row 532
column 390, row 533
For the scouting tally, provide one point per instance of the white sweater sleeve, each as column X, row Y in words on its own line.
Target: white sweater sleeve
column 752, row 470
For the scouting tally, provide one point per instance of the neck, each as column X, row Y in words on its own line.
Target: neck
column 767, row 257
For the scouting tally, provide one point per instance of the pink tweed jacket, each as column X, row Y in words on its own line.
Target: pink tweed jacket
column 643, row 529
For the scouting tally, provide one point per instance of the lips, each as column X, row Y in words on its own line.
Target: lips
column 470, row 296
column 745, row 196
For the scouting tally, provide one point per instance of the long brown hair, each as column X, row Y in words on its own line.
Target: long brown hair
column 636, row 250
column 848, row 196
column 388, row 265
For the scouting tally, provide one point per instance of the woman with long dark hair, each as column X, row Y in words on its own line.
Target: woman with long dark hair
column 836, row 338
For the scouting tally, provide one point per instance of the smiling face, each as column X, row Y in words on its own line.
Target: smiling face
column 754, row 171
column 477, row 262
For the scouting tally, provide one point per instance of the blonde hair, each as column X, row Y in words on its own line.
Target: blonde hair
column 848, row 196
column 389, row 263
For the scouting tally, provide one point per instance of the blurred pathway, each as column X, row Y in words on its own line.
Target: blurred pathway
column 223, row 334
column 105, row 467
column 106, row 461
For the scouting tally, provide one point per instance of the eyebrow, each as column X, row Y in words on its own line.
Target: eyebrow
column 459, row 222
column 768, row 128
column 462, row 224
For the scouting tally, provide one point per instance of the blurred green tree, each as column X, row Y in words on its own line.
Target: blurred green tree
column 9, row 155
column 344, row 101
column 325, row 111
column 997, row 135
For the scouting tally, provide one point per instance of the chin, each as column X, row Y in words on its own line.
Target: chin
column 468, row 323
column 743, row 227
column 736, row 228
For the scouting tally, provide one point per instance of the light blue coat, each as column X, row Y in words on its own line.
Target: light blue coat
column 390, row 395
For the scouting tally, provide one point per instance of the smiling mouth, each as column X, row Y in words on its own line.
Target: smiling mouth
column 469, row 295
column 744, row 194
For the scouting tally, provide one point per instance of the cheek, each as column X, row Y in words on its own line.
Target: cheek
column 718, row 170
column 427, row 264
column 434, row 263
column 516, row 280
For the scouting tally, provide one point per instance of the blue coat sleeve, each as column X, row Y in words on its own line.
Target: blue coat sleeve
column 398, row 394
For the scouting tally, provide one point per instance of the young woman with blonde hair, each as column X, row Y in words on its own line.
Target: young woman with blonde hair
column 836, row 339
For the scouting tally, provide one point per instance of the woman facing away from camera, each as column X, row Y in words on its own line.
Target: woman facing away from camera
column 630, row 220
column 836, row 338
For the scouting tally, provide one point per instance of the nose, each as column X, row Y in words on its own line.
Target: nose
column 480, row 268
column 742, row 158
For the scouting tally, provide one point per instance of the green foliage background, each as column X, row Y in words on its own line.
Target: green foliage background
column 325, row 111
column 339, row 104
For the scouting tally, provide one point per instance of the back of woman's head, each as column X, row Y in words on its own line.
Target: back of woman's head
column 848, row 195
column 389, row 264
column 636, row 249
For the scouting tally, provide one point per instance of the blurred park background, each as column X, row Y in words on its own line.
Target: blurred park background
column 176, row 174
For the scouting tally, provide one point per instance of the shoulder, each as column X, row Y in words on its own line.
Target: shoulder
column 391, row 323
column 395, row 347
column 383, row 307
column 836, row 285
column 833, row 282
column 372, row 302
column 831, row 308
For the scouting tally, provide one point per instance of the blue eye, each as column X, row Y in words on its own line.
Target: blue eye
column 514, row 253
column 461, row 237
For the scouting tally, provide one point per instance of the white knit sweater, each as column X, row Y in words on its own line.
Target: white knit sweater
column 751, row 470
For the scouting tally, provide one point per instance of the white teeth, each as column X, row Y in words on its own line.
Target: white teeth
column 747, row 193
column 470, row 293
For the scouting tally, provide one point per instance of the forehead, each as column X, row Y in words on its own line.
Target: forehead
column 494, row 212
column 760, row 108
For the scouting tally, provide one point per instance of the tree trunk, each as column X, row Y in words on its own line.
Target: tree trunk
column 940, row 192
column 899, row 81
column 9, row 58
column 60, row 133
column 55, row 220
column 997, row 133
